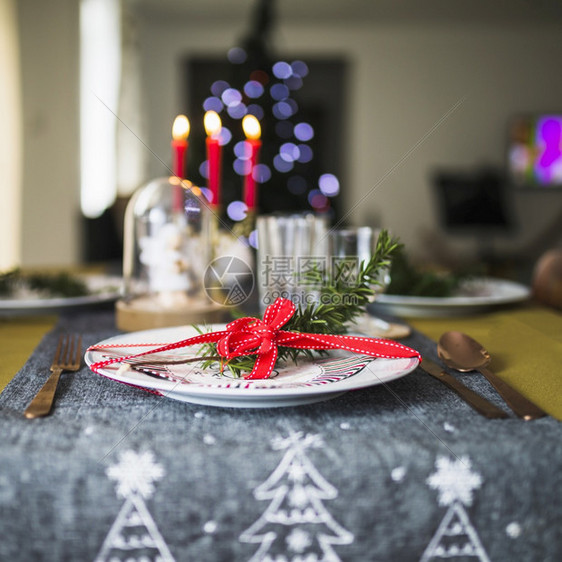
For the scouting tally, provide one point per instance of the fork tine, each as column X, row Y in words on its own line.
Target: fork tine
column 77, row 351
column 67, row 348
column 59, row 349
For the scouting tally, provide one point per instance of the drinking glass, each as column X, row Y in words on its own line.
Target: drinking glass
column 349, row 248
column 289, row 247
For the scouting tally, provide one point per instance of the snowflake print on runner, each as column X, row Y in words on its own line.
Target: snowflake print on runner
column 134, row 535
column 456, row 536
column 296, row 526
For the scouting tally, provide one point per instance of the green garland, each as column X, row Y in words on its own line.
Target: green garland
column 341, row 301
column 46, row 284
column 408, row 280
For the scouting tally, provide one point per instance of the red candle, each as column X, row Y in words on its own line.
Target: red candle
column 213, row 126
column 180, row 132
column 252, row 130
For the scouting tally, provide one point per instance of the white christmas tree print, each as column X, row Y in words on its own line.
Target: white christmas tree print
column 134, row 535
column 455, row 537
column 296, row 527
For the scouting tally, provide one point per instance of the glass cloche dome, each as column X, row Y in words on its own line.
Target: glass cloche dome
column 166, row 251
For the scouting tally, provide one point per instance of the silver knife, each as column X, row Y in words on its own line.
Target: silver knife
column 479, row 403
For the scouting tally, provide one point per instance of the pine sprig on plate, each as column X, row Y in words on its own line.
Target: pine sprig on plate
column 342, row 298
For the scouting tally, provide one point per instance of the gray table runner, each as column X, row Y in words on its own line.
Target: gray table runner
column 398, row 472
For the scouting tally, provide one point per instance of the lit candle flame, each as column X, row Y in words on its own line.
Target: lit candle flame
column 251, row 127
column 212, row 123
column 180, row 128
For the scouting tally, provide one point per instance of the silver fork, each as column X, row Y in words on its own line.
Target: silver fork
column 67, row 358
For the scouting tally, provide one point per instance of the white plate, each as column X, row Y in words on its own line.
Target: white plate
column 310, row 381
column 476, row 295
column 103, row 289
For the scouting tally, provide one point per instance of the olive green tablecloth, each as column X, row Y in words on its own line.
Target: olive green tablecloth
column 525, row 345
column 18, row 338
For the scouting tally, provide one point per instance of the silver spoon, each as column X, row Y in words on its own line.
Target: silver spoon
column 462, row 353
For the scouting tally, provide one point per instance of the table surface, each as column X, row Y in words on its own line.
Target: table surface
column 401, row 471
column 519, row 340
column 18, row 338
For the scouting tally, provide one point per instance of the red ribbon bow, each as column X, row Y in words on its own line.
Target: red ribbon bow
column 252, row 336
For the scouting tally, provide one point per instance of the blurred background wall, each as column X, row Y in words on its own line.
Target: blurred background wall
column 49, row 50
column 430, row 85
column 10, row 140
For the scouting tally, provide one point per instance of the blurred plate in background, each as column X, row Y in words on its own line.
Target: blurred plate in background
column 474, row 296
column 103, row 289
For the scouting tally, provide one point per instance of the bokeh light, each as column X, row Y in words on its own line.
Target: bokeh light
column 294, row 105
column 289, row 151
column 317, row 199
column 204, row 169
column 206, row 193
column 231, row 96
column 282, row 69
column 253, row 89
column 218, row 87
column 306, row 153
column 237, row 55
column 260, row 76
column 213, row 103
column 241, row 150
column 241, row 167
column 237, row 111
column 303, row 132
column 294, row 82
column 225, row 135
column 293, row 135
column 282, row 110
column 279, row 91
column 329, row 185
column 253, row 239
column 299, row 68
column 282, row 165
column 261, row 173
column 237, row 210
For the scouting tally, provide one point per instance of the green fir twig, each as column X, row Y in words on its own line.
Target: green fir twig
column 340, row 302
